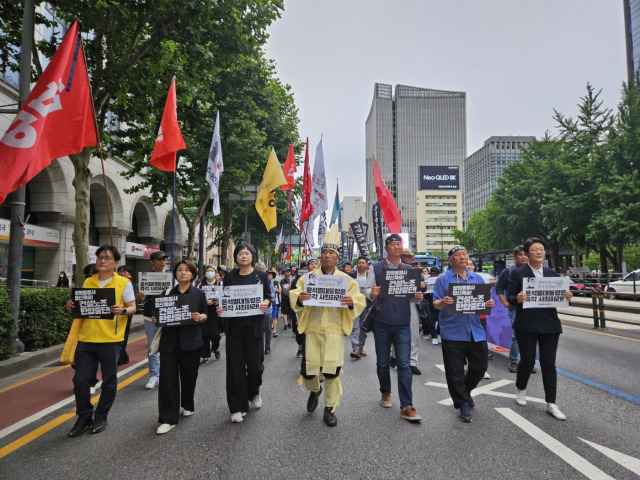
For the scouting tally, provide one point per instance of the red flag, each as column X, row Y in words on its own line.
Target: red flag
column 57, row 118
column 169, row 139
column 288, row 257
column 307, row 207
column 392, row 216
column 289, row 169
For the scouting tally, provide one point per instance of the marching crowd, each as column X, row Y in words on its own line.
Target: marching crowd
column 397, row 324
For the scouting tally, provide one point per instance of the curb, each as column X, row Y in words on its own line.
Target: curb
column 28, row 360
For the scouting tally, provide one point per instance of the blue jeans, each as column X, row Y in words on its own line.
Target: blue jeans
column 399, row 336
column 514, row 352
column 154, row 360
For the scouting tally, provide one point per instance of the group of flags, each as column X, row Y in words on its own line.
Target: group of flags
column 58, row 119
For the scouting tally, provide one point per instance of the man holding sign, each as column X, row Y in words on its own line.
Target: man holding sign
column 463, row 337
column 99, row 341
column 325, row 328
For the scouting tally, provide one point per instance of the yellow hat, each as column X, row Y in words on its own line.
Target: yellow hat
column 332, row 239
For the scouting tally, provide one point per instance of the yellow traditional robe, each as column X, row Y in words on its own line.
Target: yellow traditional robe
column 326, row 327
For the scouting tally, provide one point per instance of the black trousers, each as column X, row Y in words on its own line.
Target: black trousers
column 245, row 365
column 124, row 357
column 88, row 355
column 548, row 345
column 210, row 343
column 178, row 376
column 454, row 354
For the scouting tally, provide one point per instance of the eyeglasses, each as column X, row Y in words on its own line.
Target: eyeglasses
column 104, row 258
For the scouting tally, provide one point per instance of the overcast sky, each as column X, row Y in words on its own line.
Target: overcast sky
column 515, row 60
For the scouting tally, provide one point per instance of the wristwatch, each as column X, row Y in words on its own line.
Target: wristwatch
column 124, row 311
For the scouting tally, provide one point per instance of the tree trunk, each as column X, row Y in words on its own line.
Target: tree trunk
column 226, row 238
column 603, row 260
column 81, row 183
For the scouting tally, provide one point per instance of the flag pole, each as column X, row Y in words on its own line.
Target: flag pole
column 173, row 213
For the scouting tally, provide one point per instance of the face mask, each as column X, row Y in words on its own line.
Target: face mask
column 210, row 275
column 61, row 276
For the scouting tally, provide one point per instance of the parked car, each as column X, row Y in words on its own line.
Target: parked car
column 629, row 284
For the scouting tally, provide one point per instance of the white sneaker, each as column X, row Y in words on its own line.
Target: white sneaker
column 521, row 397
column 555, row 412
column 237, row 417
column 486, row 376
column 164, row 428
column 256, row 402
column 152, row 383
column 92, row 390
column 434, row 341
column 187, row 413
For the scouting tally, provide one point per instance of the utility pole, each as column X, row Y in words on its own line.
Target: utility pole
column 18, row 221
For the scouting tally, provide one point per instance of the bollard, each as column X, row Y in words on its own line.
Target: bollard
column 603, row 324
column 594, row 303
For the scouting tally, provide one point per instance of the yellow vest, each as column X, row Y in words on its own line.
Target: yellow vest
column 105, row 330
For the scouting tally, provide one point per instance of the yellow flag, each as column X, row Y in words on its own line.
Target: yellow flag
column 265, row 201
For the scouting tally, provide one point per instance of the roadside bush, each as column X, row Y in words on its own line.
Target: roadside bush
column 6, row 325
column 43, row 320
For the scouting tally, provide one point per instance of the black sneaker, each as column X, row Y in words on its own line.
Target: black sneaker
column 99, row 424
column 267, row 351
column 465, row 412
column 204, row 361
column 299, row 354
column 217, row 354
column 329, row 417
column 82, row 425
column 285, row 327
column 312, row 403
column 415, row 370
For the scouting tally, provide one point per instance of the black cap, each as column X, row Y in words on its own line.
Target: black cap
column 157, row 255
column 394, row 237
column 434, row 270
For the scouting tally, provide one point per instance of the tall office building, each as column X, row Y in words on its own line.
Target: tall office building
column 483, row 168
column 632, row 35
column 413, row 128
column 353, row 208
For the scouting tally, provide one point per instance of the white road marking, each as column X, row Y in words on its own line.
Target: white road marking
column 627, row 461
column 42, row 413
column 565, row 453
column 484, row 389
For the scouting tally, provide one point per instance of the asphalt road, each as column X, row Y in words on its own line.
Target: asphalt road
column 282, row 440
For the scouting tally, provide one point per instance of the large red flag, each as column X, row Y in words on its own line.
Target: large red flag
column 392, row 216
column 307, row 207
column 289, row 169
column 169, row 139
column 57, row 118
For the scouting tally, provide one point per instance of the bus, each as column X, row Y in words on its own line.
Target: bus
column 428, row 261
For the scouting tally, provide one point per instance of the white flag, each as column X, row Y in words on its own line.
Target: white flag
column 307, row 231
column 279, row 240
column 319, row 184
column 322, row 229
column 296, row 214
column 215, row 166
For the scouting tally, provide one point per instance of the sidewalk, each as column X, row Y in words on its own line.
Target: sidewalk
column 28, row 360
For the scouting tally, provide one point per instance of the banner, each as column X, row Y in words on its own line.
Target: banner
column 215, row 166
column 350, row 245
column 469, row 298
column 175, row 310
column 359, row 230
column 377, row 230
column 325, row 290
column 240, row 300
column 169, row 139
column 154, row 283
column 93, row 302
column 400, row 283
column 545, row 292
column 344, row 247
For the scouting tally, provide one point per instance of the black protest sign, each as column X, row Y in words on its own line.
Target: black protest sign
column 469, row 298
column 401, row 283
column 210, row 292
column 350, row 245
column 377, row 229
column 359, row 230
column 175, row 310
column 93, row 302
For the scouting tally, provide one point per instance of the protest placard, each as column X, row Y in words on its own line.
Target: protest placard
column 430, row 282
column 93, row 302
column 174, row 310
column 326, row 290
column 210, row 292
column 545, row 292
column 400, row 283
column 154, row 283
column 469, row 298
column 240, row 300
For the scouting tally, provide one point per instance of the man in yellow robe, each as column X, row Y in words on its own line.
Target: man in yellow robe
column 325, row 329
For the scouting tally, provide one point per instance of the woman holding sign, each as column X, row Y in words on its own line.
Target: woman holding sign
column 211, row 326
column 535, row 326
column 179, row 350
column 244, row 332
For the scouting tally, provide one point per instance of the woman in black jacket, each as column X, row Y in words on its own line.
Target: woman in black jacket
column 535, row 327
column 180, row 353
column 244, row 338
column 211, row 326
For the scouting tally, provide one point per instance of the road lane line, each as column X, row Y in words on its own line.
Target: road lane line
column 38, row 432
column 565, row 453
column 627, row 461
column 600, row 386
column 479, row 390
column 592, row 330
column 42, row 413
